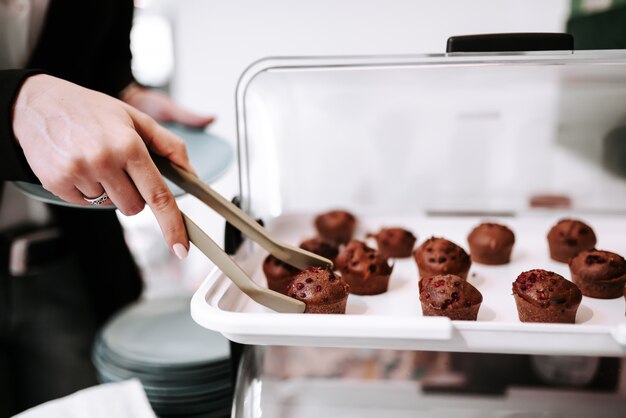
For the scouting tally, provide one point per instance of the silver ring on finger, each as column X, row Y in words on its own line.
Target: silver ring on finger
column 97, row 201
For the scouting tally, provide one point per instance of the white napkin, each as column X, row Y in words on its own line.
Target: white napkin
column 120, row 400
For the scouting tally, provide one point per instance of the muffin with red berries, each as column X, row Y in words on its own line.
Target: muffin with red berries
column 363, row 268
column 569, row 237
column 491, row 244
column 394, row 242
column 278, row 274
column 336, row 226
column 544, row 296
column 439, row 256
column 321, row 290
column 599, row 274
column 320, row 247
column 449, row 295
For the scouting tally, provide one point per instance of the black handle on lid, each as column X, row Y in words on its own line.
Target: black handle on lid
column 511, row 42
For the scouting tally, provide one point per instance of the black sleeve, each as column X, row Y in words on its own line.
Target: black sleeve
column 13, row 165
column 100, row 60
column 112, row 69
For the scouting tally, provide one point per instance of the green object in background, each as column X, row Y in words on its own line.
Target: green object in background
column 605, row 29
column 587, row 7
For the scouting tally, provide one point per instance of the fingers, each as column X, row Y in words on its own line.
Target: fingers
column 69, row 194
column 92, row 190
column 90, row 195
column 188, row 118
column 161, row 107
column 124, row 194
column 161, row 141
column 89, row 189
column 130, row 182
column 81, row 142
column 151, row 186
column 63, row 185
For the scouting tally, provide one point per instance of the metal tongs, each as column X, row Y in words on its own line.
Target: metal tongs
column 294, row 256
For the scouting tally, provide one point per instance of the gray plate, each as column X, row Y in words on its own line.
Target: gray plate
column 210, row 156
column 165, row 379
column 161, row 332
column 103, row 354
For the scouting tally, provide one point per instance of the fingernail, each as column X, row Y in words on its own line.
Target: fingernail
column 180, row 250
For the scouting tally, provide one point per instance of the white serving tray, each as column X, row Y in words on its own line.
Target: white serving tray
column 394, row 319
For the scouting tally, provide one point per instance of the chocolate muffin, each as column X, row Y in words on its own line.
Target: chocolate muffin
column 450, row 295
column 336, row 226
column 569, row 237
column 599, row 274
column 278, row 273
column 437, row 256
column 320, row 247
column 544, row 296
column 364, row 269
column 347, row 251
column 394, row 242
column 321, row 290
column 491, row 243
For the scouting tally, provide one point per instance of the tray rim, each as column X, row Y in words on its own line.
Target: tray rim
column 446, row 335
column 375, row 330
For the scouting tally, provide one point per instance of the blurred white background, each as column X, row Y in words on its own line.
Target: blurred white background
column 197, row 49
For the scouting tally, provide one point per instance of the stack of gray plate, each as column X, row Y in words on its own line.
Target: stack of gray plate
column 184, row 368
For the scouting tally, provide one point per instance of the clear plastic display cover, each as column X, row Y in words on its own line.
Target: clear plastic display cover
column 435, row 143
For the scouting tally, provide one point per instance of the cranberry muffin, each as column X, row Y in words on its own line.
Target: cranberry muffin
column 336, row 226
column 569, row 237
column 450, row 295
column 491, row 243
column 438, row 256
column 394, row 242
column 278, row 273
column 599, row 274
column 364, row 269
column 544, row 296
column 320, row 247
column 321, row 290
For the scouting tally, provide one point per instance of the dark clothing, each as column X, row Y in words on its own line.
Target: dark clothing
column 12, row 162
column 47, row 319
column 46, row 333
column 85, row 42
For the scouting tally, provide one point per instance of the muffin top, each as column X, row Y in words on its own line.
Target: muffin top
column 320, row 247
column 448, row 292
column 545, row 288
column 439, row 254
column 572, row 233
column 492, row 236
column 317, row 286
column 394, row 242
column 357, row 258
column 336, row 225
column 275, row 268
column 599, row 265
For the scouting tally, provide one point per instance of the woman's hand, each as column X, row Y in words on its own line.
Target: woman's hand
column 81, row 143
column 162, row 107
